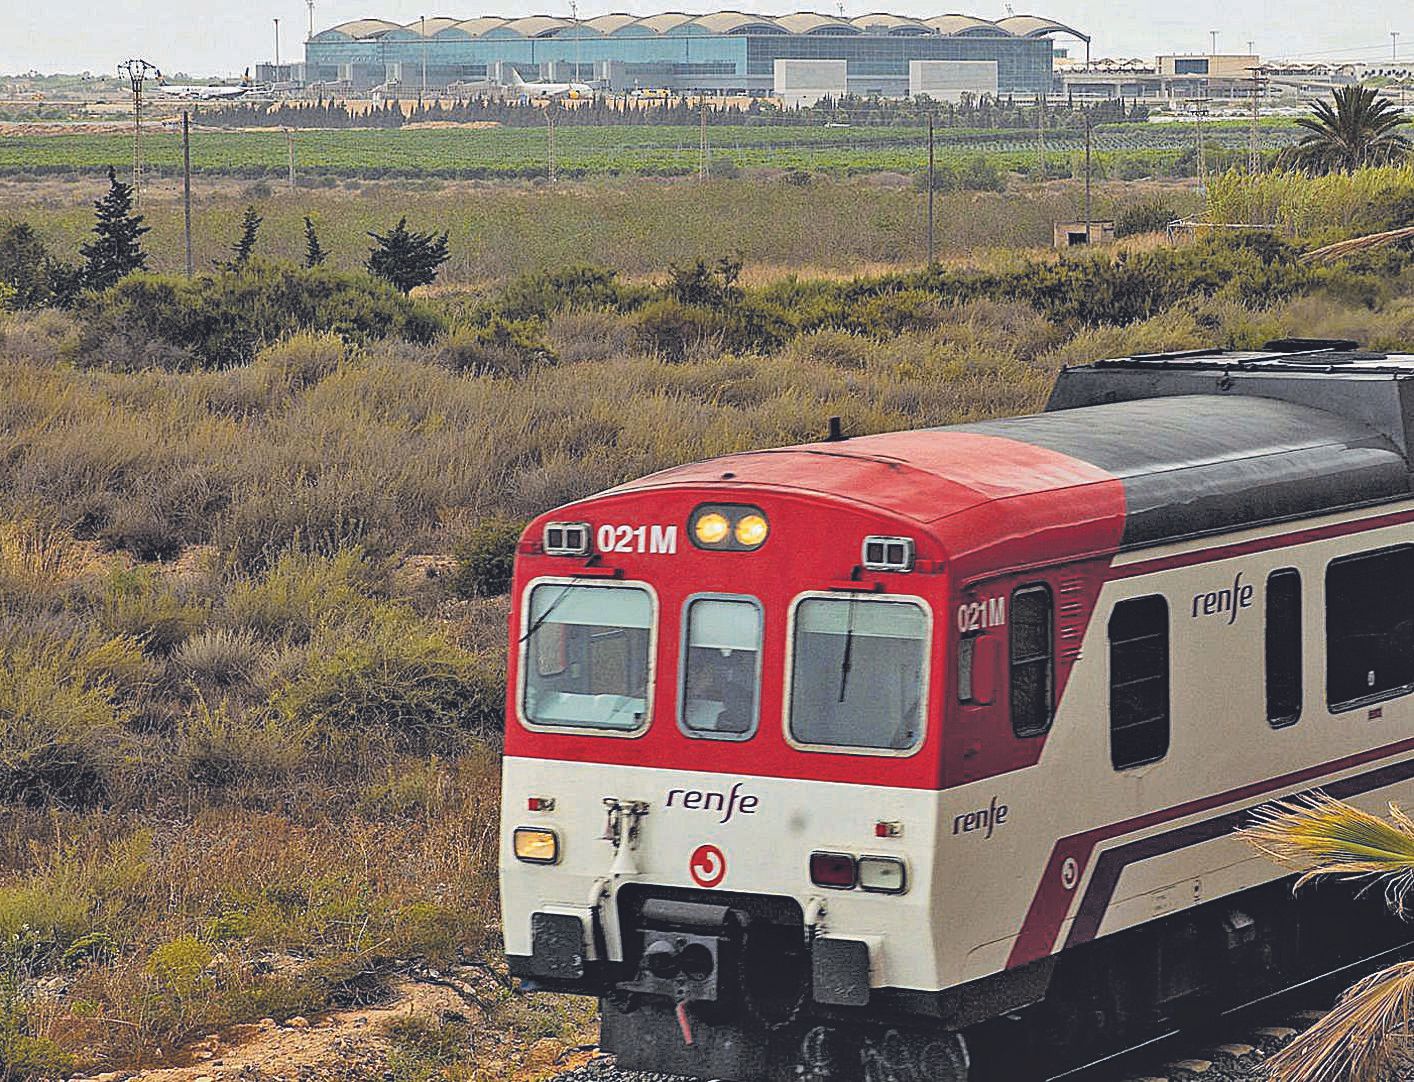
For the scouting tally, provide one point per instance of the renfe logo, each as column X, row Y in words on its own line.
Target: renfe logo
column 1227, row 600
column 988, row 819
column 728, row 804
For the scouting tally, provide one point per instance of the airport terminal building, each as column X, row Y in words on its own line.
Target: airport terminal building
column 724, row 52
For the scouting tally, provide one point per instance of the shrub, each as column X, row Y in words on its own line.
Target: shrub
column 216, row 748
column 179, row 967
column 225, row 318
column 500, row 347
column 62, row 736
column 393, row 679
column 1150, row 216
column 139, row 604
column 546, row 292
column 486, row 558
column 219, row 657
column 300, row 592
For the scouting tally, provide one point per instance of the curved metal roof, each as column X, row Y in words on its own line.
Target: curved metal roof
column 365, row 28
column 961, row 24
column 891, row 24
column 1037, row 26
column 716, row 22
column 607, row 24
column 811, row 22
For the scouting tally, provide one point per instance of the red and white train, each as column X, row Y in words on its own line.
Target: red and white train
column 858, row 752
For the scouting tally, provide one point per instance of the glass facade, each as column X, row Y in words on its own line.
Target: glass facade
column 685, row 57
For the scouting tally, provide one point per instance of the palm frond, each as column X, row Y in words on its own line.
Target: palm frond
column 1319, row 835
column 1359, row 1038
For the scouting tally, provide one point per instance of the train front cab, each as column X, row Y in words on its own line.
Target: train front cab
column 723, row 756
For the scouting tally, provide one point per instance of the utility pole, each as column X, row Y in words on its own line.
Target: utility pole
column 1041, row 130
column 1254, row 154
column 290, row 146
column 704, row 169
column 1394, row 46
column 137, row 72
column 550, row 141
column 1200, row 110
column 277, row 48
column 931, row 176
column 1087, row 177
column 421, row 94
column 310, row 5
column 186, row 187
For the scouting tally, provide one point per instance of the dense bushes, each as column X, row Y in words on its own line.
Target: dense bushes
column 225, row 318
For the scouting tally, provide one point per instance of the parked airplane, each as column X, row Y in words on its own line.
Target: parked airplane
column 573, row 91
column 202, row 92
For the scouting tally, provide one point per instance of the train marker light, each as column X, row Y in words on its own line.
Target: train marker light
column 540, row 803
column 535, row 845
column 712, row 528
column 567, row 539
column 887, row 554
column 882, row 875
column 888, row 828
column 728, row 527
column 834, row 870
column 751, row 531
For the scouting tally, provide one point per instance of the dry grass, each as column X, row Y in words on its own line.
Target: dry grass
column 206, row 577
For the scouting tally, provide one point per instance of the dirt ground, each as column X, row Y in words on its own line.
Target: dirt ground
column 347, row 1046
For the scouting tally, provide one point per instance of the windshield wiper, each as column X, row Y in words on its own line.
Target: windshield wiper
column 540, row 620
column 847, row 661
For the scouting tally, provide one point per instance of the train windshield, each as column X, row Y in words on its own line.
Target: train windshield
column 721, row 674
column 858, row 673
column 587, row 654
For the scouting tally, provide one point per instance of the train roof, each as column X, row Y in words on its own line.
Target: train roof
column 1201, row 442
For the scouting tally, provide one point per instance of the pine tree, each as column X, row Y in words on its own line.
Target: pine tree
column 244, row 247
column 314, row 253
column 405, row 258
column 116, row 250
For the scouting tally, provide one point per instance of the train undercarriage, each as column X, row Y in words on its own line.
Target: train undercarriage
column 730, row 987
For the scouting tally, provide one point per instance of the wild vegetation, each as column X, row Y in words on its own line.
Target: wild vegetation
column 256, row 527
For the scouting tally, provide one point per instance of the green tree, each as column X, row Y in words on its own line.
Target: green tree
column 1364, row 1036
column 1354, row 129
column 244, row 247
column 34, row 279
column 406, row 258
column 116, row 250
column 314, row 253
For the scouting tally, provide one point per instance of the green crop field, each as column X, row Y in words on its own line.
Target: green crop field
column 596, row 151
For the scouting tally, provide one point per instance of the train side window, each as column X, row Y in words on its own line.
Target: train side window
column 720, row 668
column 1139, row 681
column 1032, row 660
column 1369, row 627
column 1283, row 647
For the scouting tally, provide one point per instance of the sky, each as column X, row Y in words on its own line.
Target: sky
column 221, row 38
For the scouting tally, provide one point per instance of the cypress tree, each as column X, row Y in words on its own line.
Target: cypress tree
column 405, row 258
column 314, row 253
column 244, row 247
column 116, row 249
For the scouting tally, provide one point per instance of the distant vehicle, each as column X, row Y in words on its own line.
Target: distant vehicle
column 550, row 91
column 204, row 92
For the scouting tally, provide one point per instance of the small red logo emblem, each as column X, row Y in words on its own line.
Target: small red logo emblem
column 708, row 866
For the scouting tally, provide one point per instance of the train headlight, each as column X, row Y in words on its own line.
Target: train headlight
column 728, row 527
column 883, row 875
column 535, row 845
column 751, row 530
column 711, row 528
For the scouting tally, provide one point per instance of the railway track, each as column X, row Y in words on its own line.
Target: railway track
column 1232, row 1046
